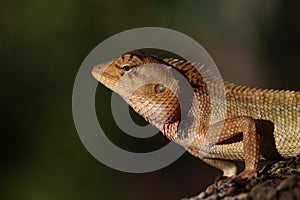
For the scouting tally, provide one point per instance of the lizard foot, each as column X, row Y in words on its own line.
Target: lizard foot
column 247, row 174
column 221, row 178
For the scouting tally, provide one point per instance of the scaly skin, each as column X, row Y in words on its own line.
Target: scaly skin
column 259, row 124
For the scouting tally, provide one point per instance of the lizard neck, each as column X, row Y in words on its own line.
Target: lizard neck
column 178, row 131
column 170, row 130
column 175, row 125
column 181, row 133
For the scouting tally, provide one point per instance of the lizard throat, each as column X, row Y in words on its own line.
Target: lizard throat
column 166, row 123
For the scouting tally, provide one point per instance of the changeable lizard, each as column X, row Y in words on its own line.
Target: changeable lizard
column 259, row 124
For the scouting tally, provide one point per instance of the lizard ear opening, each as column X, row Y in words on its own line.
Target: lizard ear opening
column 160, row 88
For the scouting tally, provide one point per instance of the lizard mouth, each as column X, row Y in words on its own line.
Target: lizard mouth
column 98, row 71
column 107, row 79
column 96, row 75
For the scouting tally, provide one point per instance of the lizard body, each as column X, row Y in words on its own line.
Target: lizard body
column 259, row 124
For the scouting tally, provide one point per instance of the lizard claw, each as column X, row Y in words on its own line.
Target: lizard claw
column 221, row 178
column 247, row 174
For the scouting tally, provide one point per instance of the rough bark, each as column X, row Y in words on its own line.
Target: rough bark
column 280, row 180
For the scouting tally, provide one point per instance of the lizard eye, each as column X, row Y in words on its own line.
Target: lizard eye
column 126, row 67
column 160, row 88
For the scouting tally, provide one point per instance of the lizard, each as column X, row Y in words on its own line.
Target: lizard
column 259, row 124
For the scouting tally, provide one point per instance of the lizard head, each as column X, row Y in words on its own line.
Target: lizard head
column 146, row 83
column 110, row 73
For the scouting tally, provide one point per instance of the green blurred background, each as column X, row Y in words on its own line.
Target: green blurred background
column 43, row 43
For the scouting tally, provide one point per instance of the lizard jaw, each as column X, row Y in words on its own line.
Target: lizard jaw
column 98, row 70
column 106, row 74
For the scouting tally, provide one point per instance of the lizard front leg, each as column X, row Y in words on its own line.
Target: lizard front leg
column 225, row 133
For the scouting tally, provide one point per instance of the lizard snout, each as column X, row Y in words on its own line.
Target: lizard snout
column 98, row 70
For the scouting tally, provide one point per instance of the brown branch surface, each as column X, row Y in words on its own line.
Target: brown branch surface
column 280, row 180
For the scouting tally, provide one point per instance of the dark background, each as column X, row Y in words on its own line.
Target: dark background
column 43, row 43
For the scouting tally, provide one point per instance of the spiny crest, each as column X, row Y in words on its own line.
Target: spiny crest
column 248, row 93
column 197, row 74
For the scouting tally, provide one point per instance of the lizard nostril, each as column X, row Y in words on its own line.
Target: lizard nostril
column 160, row 88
